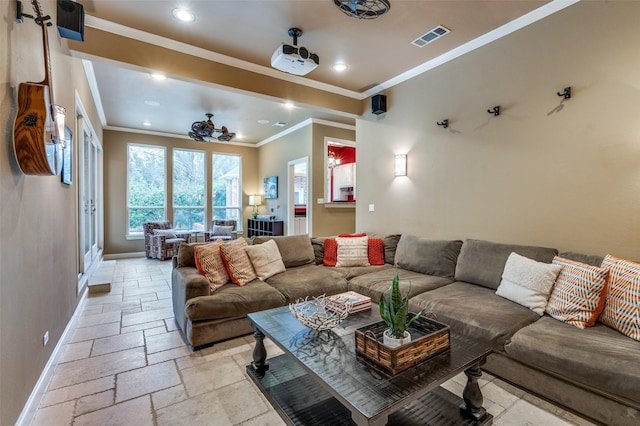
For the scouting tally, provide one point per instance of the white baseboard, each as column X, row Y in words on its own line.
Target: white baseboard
column 29, row 410
column 116, row 256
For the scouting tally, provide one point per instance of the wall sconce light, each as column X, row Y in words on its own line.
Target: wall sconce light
column 255, row 201
column 400, row 165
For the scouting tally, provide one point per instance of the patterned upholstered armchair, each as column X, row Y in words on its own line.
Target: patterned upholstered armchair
column 161, row 240
column 222, row 230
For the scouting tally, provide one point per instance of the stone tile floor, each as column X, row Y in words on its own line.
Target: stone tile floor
column 125, row 363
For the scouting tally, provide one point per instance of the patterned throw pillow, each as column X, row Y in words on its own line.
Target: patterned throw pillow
column 579, row 293
column 622, row 307
column 168, row 233
column 331, row 249
column 266, row 259
column 352, row 251
column 237, row 262
column 376, row 251
column 209, row 263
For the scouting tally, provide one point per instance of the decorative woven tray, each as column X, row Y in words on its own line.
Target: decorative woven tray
column 428, row 338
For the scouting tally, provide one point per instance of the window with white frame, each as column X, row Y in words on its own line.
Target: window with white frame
column 226, row 187
column 189, row 196
column 146, row 185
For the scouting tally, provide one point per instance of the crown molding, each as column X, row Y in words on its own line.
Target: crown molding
column 303, row 124
column 173, row 136
column 95, row 92
column 503, row 31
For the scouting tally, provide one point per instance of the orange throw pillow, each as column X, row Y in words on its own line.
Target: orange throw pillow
column 376, row 251
column 209, row 263
column 330, row 252
column 237, row 262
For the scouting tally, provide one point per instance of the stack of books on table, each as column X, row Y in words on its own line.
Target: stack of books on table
column 358, row 301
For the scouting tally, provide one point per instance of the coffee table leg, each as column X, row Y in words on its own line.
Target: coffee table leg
column 472, row 397
column 259, row 363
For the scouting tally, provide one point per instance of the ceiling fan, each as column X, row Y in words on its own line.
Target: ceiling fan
column 205, row 131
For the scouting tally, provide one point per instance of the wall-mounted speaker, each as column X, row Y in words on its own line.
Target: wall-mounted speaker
column 379, row 104
column 71, row 20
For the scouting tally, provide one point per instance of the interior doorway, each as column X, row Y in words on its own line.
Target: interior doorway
column 299, row 214
column 89, row 187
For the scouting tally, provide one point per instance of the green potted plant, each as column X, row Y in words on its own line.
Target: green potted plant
column 394, row 310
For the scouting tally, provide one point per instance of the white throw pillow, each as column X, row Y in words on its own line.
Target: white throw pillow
column 168, row 233
column 527, row 282
column 266, row 259
column 222, row 231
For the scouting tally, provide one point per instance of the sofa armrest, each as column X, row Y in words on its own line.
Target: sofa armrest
column 186, row 283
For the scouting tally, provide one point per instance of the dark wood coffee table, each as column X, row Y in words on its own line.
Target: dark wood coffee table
column 320, row 380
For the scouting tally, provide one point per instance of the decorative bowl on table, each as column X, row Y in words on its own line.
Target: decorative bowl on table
column 316, row 315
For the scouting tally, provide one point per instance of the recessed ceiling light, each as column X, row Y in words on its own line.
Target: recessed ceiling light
column 263, row 121
column 289, row 105
column 146, row 123
column 238, row 136
column 158, row 76
column 183, row 15
column 152, row 103
column 339, row 67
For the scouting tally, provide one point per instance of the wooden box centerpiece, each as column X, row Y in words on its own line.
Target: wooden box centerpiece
column 428, row 338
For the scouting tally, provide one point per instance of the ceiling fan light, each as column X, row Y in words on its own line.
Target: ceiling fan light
column 204, row 131
column 363, row 9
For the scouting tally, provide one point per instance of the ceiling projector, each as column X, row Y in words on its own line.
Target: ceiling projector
column 293, row 59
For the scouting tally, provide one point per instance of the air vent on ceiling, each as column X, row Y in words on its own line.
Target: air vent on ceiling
column 279, row 124
column 430, row 36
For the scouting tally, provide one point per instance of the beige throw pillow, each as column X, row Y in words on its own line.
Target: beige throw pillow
column 353, row 251
column 266, row 259
column 528, row 282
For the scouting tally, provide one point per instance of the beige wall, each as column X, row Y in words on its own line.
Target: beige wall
column 565, row 175
column 273, row 160
column 305, row 142
column 115, row 180
column 329, row 221
column 38, row 239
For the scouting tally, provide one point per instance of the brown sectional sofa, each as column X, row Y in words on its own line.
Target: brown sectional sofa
column 595, row 371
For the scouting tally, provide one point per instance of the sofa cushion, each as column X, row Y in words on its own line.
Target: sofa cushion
column 308, row 280
column 597, row 357
column 377, row 282
column 232, row 301
column 186, row 254
column 527, row 282
column 579, row 293
column 237, row 262
column 482, row 262
column 295, row 250
column 432, row 257
column 318, row 249
column 622, row 307
column 353, row 251
column 476, row 312
column 266, row 259
column 210, row 264
column 350, row 272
